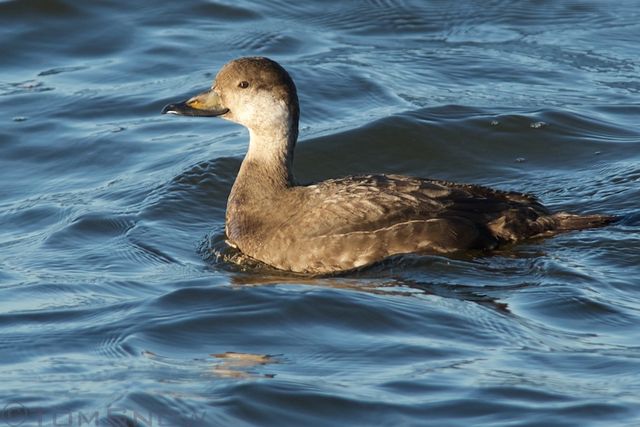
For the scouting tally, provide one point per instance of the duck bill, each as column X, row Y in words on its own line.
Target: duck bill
column 206, row 104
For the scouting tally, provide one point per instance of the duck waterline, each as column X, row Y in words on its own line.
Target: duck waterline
column 343, row 224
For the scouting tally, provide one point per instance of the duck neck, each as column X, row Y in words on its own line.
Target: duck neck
column 268, row 164
column 265, row 174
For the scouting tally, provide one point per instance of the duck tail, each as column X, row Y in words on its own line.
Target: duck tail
column 567, row 222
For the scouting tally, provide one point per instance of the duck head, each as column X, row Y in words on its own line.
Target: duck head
column 255, row 92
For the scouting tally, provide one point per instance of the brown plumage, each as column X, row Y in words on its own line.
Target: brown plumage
column 341, row 224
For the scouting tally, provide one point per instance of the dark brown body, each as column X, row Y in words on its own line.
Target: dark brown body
column 343, row 224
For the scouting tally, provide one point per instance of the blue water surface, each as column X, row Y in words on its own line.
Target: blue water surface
column 114, row 310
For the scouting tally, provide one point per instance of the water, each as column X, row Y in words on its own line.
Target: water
column 112, row 312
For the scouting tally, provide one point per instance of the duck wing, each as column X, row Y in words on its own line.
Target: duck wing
column 373, row 202
column 342, row 224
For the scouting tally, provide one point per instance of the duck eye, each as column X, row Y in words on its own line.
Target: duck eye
column 243, row 84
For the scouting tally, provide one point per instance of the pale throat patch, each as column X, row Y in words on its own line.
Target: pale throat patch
column 269, row 123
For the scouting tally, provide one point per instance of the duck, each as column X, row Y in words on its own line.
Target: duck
column 344, row 224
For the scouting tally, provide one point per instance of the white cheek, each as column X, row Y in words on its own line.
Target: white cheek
column 261, row 110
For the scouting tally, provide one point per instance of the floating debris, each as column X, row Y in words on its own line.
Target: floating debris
column 537, row 125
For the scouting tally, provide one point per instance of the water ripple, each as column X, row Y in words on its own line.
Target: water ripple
column 121, row 304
